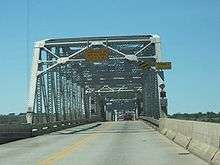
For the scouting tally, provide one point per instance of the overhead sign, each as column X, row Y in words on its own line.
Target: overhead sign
column 163, row 65
column 157, row 65
column 145, row 65
column 98, row 54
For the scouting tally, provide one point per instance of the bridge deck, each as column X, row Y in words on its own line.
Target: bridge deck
column 126, row 142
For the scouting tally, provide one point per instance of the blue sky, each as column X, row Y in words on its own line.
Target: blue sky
column 189, row 33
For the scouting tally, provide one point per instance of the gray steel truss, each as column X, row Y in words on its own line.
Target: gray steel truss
column 64, row 83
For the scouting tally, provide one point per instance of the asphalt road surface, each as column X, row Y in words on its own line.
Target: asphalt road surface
column 109, row 143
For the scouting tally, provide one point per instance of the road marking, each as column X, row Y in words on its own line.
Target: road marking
column 69, row 149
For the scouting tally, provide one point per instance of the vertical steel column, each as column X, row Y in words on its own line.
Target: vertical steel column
column 65, row 102
column 71, row 101
column 79, row 101
column 76, row 101
column 38, row 116
column 83, row 101
column 58, row 93
column 158, row 58
column 39, row 102
column 49, row 113
column 57, row 90
column 139, row 110
column 44, row 92
column 90, row 105
column 69, row 94
column 93, row 104
column 62, row 85
column 33, row 82
column 97, row 105
column 151, row 94
column 67, row 99
column 87, row 105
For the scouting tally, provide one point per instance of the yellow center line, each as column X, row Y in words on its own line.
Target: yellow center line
column 70, row 149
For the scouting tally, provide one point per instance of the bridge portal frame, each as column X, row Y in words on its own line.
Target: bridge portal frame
column 58, row 55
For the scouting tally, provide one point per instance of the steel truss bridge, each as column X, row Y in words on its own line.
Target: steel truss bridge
column 78, row 83
column 67, row 85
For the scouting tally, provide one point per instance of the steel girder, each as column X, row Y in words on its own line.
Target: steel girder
column 60, row 72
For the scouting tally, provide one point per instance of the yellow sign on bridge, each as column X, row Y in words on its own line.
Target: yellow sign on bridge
column 163, row 65
column 98, row 54
column 157, row 65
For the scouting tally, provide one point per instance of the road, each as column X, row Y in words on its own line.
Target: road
column 110, row 143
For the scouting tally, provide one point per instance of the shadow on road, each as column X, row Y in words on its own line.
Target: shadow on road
column 76, row 131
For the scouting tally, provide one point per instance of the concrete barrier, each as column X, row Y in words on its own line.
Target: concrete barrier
column 200, row 138
column 216, row 159
column 170, row 134
column 164, row 131
column 182, row 140
column 202, row 150
column 151, row 120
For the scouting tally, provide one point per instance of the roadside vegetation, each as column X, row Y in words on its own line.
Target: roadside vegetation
column 12, row 118
column 207, row 117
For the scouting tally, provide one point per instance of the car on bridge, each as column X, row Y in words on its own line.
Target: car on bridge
column 129, row 115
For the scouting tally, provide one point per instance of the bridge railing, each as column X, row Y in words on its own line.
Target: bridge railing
column 40, row 129
column 150, row 120
column 11, row 132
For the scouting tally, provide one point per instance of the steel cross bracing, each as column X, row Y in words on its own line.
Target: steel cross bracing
column 63, row 82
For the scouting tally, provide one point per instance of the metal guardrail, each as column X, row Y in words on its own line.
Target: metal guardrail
column 151, row 120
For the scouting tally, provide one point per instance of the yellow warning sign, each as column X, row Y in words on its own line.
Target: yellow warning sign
column 145, row 66
column 98, row 54
column 163, row 65
column 157, row 65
